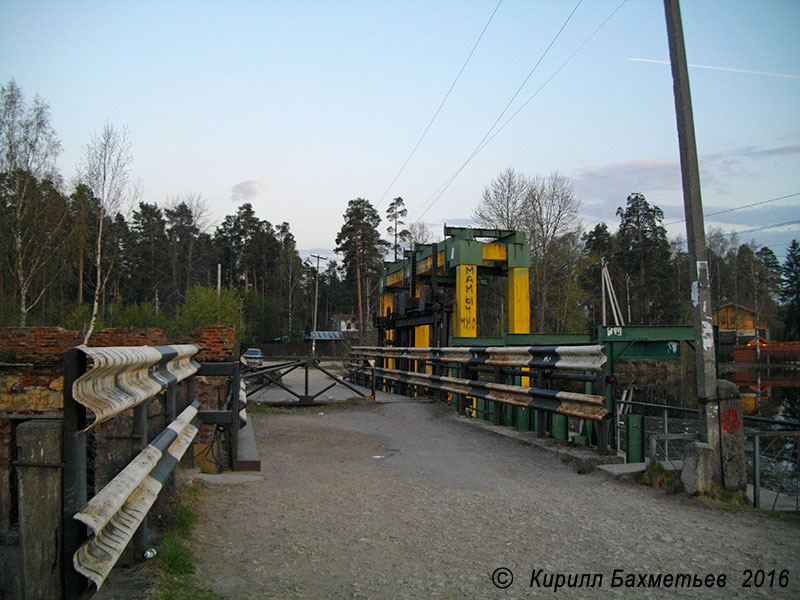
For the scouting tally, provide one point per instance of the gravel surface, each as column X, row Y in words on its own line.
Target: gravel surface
column 403, row 500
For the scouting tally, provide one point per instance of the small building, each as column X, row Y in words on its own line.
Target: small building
column 737, row 325
column 344, row 322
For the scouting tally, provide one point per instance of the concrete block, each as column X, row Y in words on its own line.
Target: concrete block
column 698, row 468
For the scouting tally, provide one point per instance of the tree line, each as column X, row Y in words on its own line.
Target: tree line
column 95, row 254
column 651, row 273
column 98, row 255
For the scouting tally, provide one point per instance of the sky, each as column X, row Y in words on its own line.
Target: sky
column 300, row 106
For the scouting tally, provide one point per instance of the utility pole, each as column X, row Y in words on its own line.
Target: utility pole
column 711, row 411
column 316, row 296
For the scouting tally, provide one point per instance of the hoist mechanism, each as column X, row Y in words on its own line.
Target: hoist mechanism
column 431, row 295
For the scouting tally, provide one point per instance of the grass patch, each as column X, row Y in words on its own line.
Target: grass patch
column 737, row 499
column 175, row 557
column 656, row 476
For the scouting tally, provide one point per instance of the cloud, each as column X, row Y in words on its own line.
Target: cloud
column 606, row 186
column 246, row 191
column 611, row 184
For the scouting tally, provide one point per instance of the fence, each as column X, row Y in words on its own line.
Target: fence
column 773, row 456
column 489, row 378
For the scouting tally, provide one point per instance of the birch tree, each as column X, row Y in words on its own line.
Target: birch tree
column 32, row 211
column 105, row 170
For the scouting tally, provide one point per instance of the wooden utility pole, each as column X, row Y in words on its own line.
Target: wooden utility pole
column 716, row 416
column 693, row 207
column 360, row 304
column 316, row 297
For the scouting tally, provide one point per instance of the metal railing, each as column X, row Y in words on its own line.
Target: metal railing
column 262, row 377
column 774, row 466
column 108, row 382
column 513, row 376
column 778, row 461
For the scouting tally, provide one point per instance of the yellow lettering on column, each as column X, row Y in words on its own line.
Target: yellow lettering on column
column 465, row 316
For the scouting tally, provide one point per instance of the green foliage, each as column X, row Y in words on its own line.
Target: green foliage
column 790, row 290
column 643, row 254
column 175, row 555
column 658, row 477
column 139, row 314
column 78, row 318
column 203, row 307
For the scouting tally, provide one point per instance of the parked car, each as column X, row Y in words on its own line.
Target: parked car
column 253, row 357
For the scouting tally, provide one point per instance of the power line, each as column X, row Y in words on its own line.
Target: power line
column 763, row 227
column 729, row 234
column 727, row 210
column 441, row 104
column 431, row 201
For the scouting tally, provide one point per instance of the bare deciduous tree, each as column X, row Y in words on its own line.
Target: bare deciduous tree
column 550, row 212
column 28, row 209
column 503, row 202
column 105, row 169
column 419, row 234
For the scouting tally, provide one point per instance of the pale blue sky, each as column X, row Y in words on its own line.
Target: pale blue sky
column 299, row 107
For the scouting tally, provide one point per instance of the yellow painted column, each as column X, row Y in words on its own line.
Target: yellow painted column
column 465, row 316
column 519, row 307
column 519, row 301
column 387, row 302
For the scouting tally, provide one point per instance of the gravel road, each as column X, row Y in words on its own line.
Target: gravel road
column 405, row 500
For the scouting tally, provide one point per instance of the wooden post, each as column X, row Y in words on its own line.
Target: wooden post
column 41, row 537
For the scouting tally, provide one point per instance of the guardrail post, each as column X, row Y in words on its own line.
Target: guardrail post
column 170, row 407
column 234, row 424
column 560, row 427
column 498, row 408
column 756, row 470
column 634, row 439
column 141, row 540
column 73, row 454
column 39, row 466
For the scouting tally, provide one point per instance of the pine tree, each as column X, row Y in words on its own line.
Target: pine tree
column 362, row 249
column 395, row 215
column 790, row 291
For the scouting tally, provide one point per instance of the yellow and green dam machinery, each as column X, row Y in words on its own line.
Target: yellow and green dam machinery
column 431, row 296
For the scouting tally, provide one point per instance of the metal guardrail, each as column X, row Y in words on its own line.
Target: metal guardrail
column 107, row 382
column 534, row 362
column 124, row 377
column 116, row 512
column 571, row 358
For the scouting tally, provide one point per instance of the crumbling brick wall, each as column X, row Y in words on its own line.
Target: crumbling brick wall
column 31, row 386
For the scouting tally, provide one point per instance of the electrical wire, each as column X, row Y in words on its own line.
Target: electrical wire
column 478, row 148
column 431, row 201
column 728, row 234
column 727, row 210
column 441, row 104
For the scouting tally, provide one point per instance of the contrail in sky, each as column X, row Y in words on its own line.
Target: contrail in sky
column 666, row 62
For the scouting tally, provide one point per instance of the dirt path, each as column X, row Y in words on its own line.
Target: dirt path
column 403, row 500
